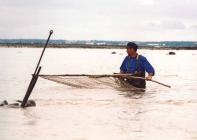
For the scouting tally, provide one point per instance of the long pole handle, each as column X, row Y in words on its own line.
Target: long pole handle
column 133, row 77
column 50, row 33
column 160, row 83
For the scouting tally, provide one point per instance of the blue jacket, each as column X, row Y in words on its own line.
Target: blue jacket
column 133, row 64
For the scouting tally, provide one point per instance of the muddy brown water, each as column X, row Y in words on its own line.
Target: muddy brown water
column 64, row 112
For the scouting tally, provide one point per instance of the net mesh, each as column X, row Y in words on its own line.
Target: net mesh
column 89, row 82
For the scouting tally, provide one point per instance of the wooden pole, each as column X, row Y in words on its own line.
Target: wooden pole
column 50, row 33
column 30, row 88
column 35, row 75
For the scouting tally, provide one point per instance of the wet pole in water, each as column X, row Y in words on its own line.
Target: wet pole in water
column 35, row 75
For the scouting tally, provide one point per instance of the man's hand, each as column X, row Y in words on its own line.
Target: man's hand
column 149, row 77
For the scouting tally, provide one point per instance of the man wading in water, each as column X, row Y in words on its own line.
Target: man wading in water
column 136, row 65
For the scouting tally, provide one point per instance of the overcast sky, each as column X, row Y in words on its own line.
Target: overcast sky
column 140, row 20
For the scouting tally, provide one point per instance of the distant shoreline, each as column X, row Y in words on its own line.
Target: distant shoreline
column 94, row 46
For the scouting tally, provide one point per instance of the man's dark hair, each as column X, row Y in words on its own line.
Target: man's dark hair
column 132, row 45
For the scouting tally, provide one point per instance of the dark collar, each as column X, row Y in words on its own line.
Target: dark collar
column 136, row 57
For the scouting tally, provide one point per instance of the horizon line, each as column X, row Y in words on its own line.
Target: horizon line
column 100, row 40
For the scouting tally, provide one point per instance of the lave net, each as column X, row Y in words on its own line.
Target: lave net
column 89, row 82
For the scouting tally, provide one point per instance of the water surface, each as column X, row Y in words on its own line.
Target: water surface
column 89, row 114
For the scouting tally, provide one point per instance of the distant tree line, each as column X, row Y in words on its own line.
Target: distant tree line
column 97, row 42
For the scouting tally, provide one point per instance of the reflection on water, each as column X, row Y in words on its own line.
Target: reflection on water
column 64, row 112
column 134, row 94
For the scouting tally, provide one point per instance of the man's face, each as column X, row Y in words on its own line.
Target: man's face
column 130, row 51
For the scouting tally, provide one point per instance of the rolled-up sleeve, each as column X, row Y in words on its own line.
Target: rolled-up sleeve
column 148, row 67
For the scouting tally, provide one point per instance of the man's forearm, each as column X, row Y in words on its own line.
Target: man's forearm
column 150, row 74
